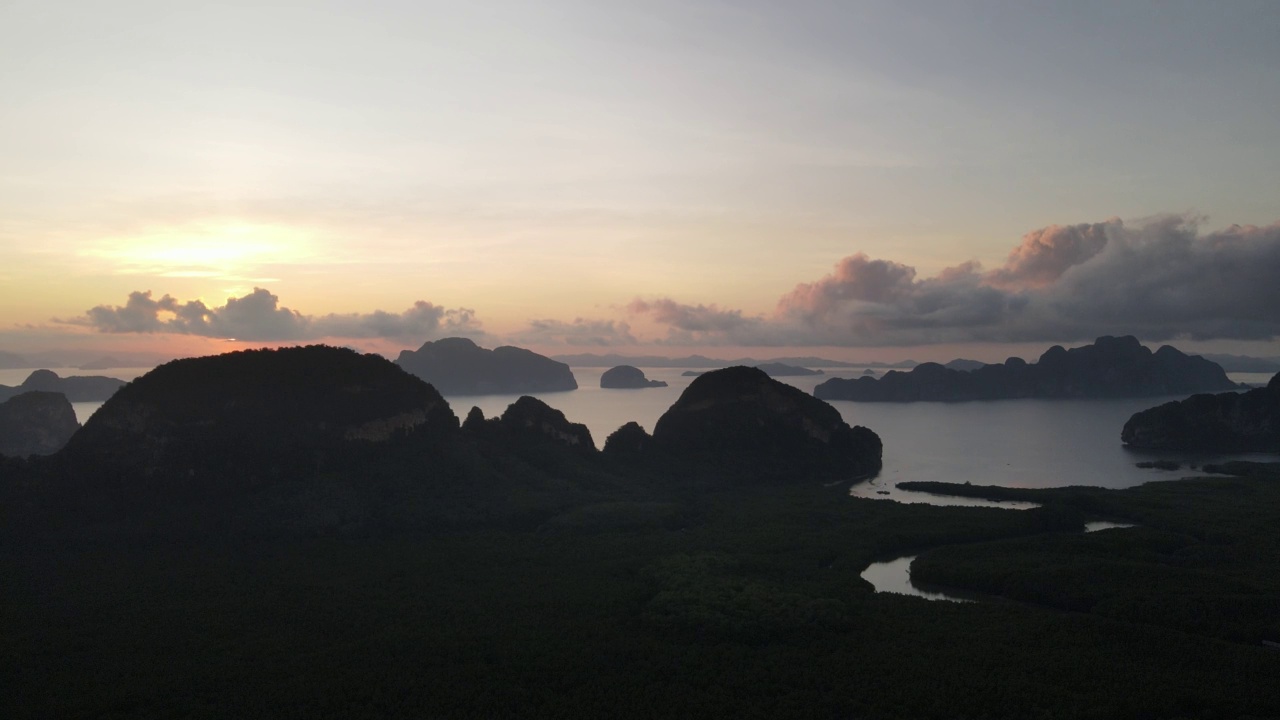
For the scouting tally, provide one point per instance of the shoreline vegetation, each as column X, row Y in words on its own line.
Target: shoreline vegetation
column 745, row 603
column 503, row 567
column 1196, row 560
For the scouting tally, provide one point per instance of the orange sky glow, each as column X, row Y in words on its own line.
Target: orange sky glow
column 866, row 182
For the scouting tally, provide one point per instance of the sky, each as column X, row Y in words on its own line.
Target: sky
column 860, row 180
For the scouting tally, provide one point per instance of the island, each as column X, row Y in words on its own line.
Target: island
column 739, row 422
column 1226, row 422
column 457, row 366
column 1111, row 367
column 627, row 377
column 77, row 388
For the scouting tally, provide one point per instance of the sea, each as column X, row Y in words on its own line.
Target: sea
column 1011, row 443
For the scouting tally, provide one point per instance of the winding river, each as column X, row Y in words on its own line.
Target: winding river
column 894, row 576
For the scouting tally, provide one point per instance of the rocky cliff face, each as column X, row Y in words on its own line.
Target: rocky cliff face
column 627, row 377
column 255, row 410
column 1110, row 367
column 1227, row 422
column 77, row 388
column 457, row 366
column 36, row 423
column 742, row 420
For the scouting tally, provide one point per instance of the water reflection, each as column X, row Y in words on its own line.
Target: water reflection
column 1097, row 525
column 894, row 576
column 878, row 489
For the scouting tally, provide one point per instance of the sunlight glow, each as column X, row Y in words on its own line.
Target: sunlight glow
column 227, row 252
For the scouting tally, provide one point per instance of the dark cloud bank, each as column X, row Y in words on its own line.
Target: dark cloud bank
column 1159, row 279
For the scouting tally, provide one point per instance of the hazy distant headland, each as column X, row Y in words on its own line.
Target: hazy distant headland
column 778, row 369
column 1244, row 363
column 13, row 361
column 457, row 366
column 700, row 361
column 772, row 369
column 79, row 359
column 77, row 388
column 1110, row 367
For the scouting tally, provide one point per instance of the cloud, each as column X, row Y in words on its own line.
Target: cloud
column 140, row 314
column 1169, row 280
column 858, row 280
column 580, row 332
column 1158, row 279
column 422, row 320
column 259, row 316
column 1046, row 254
column 875, row 302
column 690, row 318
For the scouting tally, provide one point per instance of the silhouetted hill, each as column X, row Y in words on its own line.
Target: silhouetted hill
column 77, row 388
column 457, row 366
column 628, row 442
column 1111, row 367
column 1227, row 422
column 530, row 416
column 739, row 421
column 35, row 423
column 255, row 413
column 627, row 377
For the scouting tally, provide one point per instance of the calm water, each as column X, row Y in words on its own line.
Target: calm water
column 1013, row 443
column 894, row 576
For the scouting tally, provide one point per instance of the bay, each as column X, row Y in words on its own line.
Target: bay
column 1011, row 443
